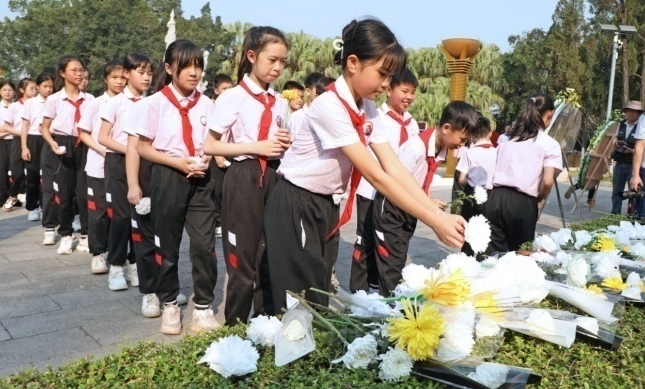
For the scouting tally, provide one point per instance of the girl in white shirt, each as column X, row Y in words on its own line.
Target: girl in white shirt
column 171, row 137
column 7, row 93
column 527, row 165
column 33, row 149
column 301, row 217
column 61, row 114
column 252, row 116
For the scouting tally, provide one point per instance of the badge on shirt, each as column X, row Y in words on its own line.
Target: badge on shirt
column 203, row 120
column 367, row 128
column 279, row 121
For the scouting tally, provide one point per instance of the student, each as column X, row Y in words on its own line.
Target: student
column 34, row 152
column 295, row 86
column 137, row 69
column 179, row 163
column 221, row 83
column 296, row 118
column 252, row 113
column 61, row 113
column 527, row 165
column 398, row 127
column 301, row 215
column 312, row 89
column 90, row 125
column 7, row 93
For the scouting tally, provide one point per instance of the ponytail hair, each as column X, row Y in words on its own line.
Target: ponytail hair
column 22, row 84
column 530, row 122
column 370, row 40
column 59, row 81
column 256, row 39
column 183, row 53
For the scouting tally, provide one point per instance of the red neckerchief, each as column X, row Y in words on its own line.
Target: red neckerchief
column 77, row 115
column 404, row 124
column 186, row 127
column 431, row 161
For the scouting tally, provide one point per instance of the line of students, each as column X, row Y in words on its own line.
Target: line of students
column 280, row 195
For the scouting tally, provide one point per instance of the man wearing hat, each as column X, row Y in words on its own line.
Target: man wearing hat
column 624, row 153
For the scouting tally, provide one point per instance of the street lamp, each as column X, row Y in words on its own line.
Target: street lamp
column 620, row 32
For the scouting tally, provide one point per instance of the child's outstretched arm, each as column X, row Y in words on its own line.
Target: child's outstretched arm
column 404, row 192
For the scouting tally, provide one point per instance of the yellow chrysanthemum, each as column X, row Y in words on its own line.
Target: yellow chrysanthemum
column 604, row 242
column 486, row 302
column 290, row 95
column 454, row 290
column 418, row 331
column 593, row 288
column 615, row 283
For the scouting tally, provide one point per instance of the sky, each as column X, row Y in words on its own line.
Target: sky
column 416, row 23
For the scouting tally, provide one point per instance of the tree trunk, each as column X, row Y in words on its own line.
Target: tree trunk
column 643, row 79
column 625, row 73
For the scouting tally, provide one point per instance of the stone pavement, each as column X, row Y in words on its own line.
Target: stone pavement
column 53, row 310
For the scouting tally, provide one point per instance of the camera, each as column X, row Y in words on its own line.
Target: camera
column 621, row 147
column 633, row 194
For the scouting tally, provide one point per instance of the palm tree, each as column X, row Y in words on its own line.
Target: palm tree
column 234, row 53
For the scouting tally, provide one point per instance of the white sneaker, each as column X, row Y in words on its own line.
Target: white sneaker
column 204, row 320
column 150, row 306
column 22, row 197
column 133, row 276
column 218, row 232
column 50, row 238
column 65, row 247
column 98, row 264
column 181, row 299
column 117, row 280
column 171, row 320
column 76, row 224
column 34, row 215
column 83, row 244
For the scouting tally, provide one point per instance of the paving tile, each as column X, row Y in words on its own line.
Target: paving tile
column 20, row 248
column 28, row 306
column 81, row 298
column 4, row 335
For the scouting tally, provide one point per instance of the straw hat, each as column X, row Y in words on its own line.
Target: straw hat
column 634, row 105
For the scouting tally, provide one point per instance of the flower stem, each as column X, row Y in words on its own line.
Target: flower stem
column 318, row 316
column 344, row 318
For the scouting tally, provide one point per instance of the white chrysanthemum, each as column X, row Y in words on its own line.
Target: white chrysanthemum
column 370, row 304
column 638, row 250
column 582, row 239
column 562, row 237
column 633, row 279
column 231, row 356
column 639, row 231
column 294, row 331
column 541, row 318
column 143, row 208
column 415, row 276
column 262, row 330
column 633, row 292
column 605, row 265
column 477, row 233
column 481, row 195
column 486, row 327
column 542, row 257
column 613, row 228
column 621, row 237
column 578, row 272
column 544, row 243
column 562, row 258
column 491, row 375
column 360, row 353
column 523, row 278
column 588, row 323
column 457, row 339
column 466, row 263
column 395, row 364
column 628, row 228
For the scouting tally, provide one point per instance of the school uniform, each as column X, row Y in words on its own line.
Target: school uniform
column 218, row 174
column 393, row 227
column 511, row 207
column 37, row 171
column 17, row 166
column 70, row 178
column 116, row 183
column 302, row 218
column 364, row 272
column 5, row 158
column 639, row 134
column 98, row 219
column 177, row 201
column 249, row 114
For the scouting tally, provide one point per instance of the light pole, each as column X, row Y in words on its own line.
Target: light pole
column 619, row 33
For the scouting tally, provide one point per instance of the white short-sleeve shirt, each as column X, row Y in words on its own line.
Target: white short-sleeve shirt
column 3, row 113
column 315, row 161
column 33, row 113
column 520, row 164
column 393, row 133
column 414, row 156
column 640, row 132
column 13, row 116
column 91, row 122
column 161, row 122
column 112, row 113
column 478, row 162
column 239, row 114
column 62, row 112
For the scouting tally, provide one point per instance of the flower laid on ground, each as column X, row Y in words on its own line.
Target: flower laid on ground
column 360, row 353
column 593, row 288
column 368, row 305
column 414, row 278
column 588, row 323
column 615, row 283
column 262, row 330
column 604, row 242
column 395, row 364
column 457, row 341
column 544, row 243
column 491, row 375
column 582, row 239
column 481, row 195
column 418, row 331
column 578, row 272
column 606, row 265
column 453, row 289
column 231, row 356
column 486, row 327
column 562, row 237
column 295, row 331
column 477, row 233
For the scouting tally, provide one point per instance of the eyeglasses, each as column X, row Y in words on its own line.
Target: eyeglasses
column 76, row 71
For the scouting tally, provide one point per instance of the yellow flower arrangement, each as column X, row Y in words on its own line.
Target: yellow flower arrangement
column 486, row 303
column 615, row 283
column 289, row 95
column 418, row 331
column 593, row 288
column 455, row 290
column 604, row 242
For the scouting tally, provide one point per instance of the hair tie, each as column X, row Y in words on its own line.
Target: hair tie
column 533, row 99
column 338, row 46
